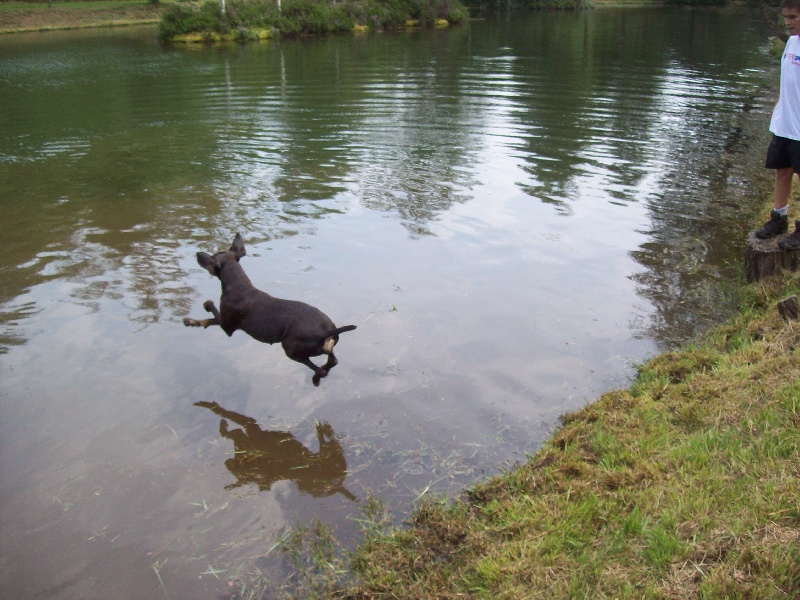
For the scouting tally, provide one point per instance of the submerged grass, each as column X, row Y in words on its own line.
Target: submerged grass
column 685, row 485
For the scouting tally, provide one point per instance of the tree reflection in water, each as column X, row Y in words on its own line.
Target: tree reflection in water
column 264, row 457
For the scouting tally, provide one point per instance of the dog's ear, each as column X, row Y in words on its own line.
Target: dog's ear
column 238, row 247
column 207, row 262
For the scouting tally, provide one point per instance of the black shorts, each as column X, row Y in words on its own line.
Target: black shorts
column 783, row 153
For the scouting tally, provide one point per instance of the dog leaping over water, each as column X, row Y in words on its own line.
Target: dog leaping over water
column 302, row 330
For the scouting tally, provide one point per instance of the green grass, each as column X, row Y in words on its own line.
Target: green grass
column 18, row 17
column 70, row 5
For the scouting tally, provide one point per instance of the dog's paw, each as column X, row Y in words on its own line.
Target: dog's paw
column 208, row 305
column 190, row 322
column 209, row 405
column 319, row 374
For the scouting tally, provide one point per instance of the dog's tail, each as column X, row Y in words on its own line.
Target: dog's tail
column 339, row 330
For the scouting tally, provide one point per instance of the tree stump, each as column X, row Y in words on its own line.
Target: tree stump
column 763, row 258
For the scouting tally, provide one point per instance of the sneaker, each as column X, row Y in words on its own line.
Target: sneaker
column 776, row 225
column 793, row 241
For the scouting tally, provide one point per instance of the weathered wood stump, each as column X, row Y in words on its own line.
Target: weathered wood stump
column 763, row 258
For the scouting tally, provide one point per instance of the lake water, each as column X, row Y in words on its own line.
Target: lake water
column 514, row 213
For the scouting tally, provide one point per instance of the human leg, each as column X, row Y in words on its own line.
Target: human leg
column 781, row 156
column 783, row 189
column 778, row 218
column 779, row 221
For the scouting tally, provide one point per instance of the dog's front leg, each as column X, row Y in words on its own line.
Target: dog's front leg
column 204, row 323
column 199, row 322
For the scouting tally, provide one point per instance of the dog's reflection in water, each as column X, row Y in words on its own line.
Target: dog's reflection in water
column 264, row 457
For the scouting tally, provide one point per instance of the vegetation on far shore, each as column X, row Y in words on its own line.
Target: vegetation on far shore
column 247, row 19
column 202, row 20
column 242, row 19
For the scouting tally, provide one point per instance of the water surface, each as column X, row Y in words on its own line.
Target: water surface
column 513, row 212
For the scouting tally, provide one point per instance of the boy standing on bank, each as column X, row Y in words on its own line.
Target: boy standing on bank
column 783, row 153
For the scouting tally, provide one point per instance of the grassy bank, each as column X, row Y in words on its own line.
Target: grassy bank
column 17, row 17
column 685, row 485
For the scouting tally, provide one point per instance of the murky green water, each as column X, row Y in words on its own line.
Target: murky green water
column 513, row 212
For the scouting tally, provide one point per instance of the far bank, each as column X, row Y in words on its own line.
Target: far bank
column 20, row 17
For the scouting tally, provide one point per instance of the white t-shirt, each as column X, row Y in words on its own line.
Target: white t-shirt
column 786, row 116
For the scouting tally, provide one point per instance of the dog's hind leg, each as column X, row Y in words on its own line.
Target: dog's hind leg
column 319, row 372
column 332, row 362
